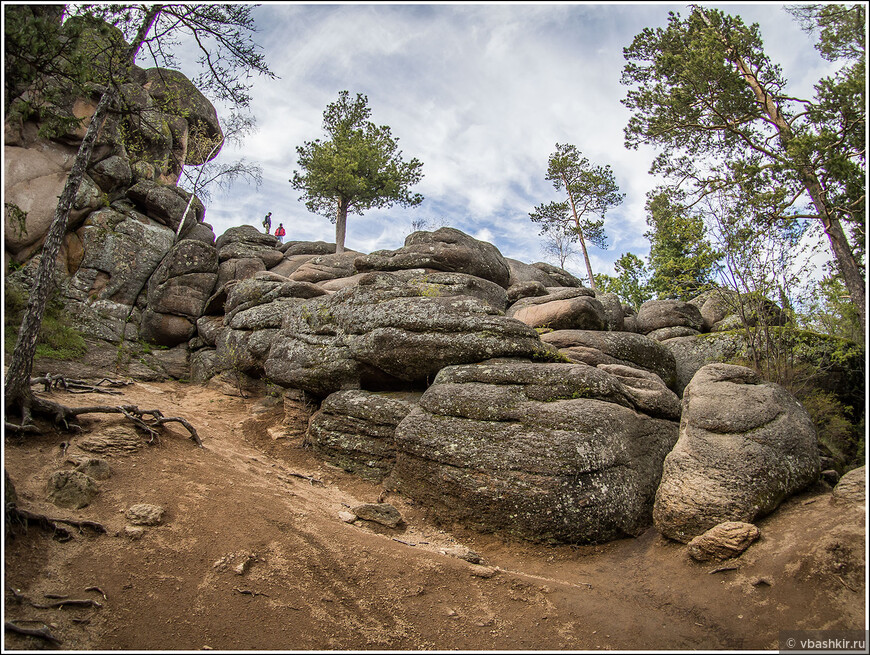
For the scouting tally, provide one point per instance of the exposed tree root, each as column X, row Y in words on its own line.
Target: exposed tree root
column 42, row 632
column 25, row 517
column 63, row 415
column 50, row 381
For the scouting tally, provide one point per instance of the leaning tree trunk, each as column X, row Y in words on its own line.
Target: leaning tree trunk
column 17, row 384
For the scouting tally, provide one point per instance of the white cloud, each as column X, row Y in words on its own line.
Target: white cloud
column 480, row 94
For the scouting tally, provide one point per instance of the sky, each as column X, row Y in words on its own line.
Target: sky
column 481, row 94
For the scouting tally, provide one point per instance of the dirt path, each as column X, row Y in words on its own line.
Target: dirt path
column 314, row 582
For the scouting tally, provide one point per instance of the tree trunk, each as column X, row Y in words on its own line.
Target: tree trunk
column 17, row 384
column 840, row 247
column 340, row 226
column 579, row 233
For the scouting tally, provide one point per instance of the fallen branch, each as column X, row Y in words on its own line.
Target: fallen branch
column 249, row 592
column 42, row 632
column 71, row 602
column 843, row 582
column 311, row 480
column 98, row 590
column 723, row 568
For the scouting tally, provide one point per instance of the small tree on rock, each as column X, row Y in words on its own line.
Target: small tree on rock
column 357, row 168
column 591, row 191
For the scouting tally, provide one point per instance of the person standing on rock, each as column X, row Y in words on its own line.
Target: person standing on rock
column 267, row 223
column 279, row 232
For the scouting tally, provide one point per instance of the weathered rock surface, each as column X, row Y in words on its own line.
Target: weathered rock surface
column 657, row 314
column 382, row 513
column 580, row 313
column 691, row 353
column 382, row 330
column 550, row 452
column 523, row 273
column 745, row 445
column 852, row 488
column 446, row 249
column 145, row 514
column 356, row 430
column 723, row 541
column 178, row 291
column 559, row 275
column 623, row 348
column 71, row 489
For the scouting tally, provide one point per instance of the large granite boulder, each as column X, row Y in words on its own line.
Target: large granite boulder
column 691, row 353
column 165, row 203
column 176, row 95
column 445, row 249
column 178, row 291
column 552, row 452
column 522, row 272
column 383, row 331
column 745, row 445
column 580, row 313
column 623, row 348
column 658, row 314
column 356, row 430
column 119, row 255
column 442, row 285
column 562, row 277
column 326, row 267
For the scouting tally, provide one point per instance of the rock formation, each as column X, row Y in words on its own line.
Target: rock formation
column 745, row 445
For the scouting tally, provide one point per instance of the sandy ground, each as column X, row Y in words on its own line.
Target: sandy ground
column 314, row 582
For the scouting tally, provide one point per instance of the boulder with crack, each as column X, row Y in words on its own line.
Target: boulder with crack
column 543, row 451
column 383, row 333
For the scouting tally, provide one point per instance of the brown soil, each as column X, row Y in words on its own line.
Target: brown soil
column 315, row 582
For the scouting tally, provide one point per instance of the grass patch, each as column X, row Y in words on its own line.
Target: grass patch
column 56, row 340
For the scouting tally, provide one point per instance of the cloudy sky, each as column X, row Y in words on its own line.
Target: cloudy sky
column 480, row 93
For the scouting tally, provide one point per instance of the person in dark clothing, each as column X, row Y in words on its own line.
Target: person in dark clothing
column 267, row 223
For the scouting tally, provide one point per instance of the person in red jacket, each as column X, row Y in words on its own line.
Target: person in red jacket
column 279, row 232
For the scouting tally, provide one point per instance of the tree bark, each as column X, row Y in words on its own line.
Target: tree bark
column 340, row 225
column 17, row 383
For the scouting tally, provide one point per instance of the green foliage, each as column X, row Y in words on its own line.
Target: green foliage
column 703, row 91
column 56, row 340
column 631, row 283
column 829, row 311
column 682, row 262
column 589, row 191
column 357, row 168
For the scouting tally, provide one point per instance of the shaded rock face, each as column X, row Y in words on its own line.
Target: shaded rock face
column 382, row 332
column 622, row 348
column 356, row 430
column 551, row 452
column 445, row 249
column 745, row 445
column 178, row 291
column 691, row 353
